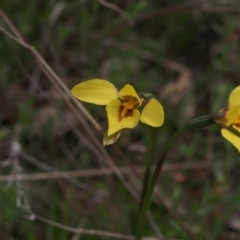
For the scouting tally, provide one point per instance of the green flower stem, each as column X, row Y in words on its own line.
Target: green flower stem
column 151, row 185
column 196, row 123
column 148, row 164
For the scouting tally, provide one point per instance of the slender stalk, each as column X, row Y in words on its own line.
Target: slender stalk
column 148, row 164
column 193, row 124
column 152, row 184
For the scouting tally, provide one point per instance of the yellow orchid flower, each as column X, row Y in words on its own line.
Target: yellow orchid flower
column 122, row 106
column 229, row 119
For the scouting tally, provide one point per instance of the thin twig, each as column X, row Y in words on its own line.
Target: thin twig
column 97, row 172
column 11, row 25
column 82, row 223
column 190, row 9
column 117, row 9
column 91, row 231
column 51, row 170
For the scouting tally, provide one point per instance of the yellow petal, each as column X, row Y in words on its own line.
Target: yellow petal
column 153, row 114
column 233, row 105
column 128, row 90
column 96, row 91
column 231, row 137
column 114, row 124
column 107, row 140
column 234, row 98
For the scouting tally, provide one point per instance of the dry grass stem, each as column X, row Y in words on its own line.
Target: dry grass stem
column 117, row 9
column 188, row 9
column 92, row 232
column 54, row 174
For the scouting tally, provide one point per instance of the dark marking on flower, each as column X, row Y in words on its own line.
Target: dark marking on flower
column 236, row 122
column 128, row 98
column 124, row 112
column 237, row 125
